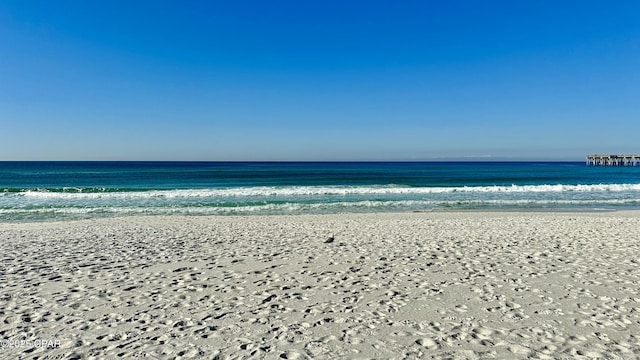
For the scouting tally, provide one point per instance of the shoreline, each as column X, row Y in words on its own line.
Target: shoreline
column 364, row 213
column 442, row 284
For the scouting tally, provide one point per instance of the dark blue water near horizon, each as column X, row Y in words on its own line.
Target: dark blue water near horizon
column 70, row 190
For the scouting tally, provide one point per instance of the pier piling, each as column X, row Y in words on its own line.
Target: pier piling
column 613, row 160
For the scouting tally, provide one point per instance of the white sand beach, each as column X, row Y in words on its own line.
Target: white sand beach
column 463, row 285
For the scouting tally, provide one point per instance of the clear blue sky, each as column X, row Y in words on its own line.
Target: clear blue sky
column 321, row 80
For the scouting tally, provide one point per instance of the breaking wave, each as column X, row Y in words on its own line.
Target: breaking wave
column 298, row 191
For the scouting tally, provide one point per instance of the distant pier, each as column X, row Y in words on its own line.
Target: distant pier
column 613, row 160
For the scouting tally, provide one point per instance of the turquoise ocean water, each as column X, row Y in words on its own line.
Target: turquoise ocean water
column 76, row 190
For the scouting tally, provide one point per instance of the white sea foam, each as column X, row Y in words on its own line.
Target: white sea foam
column 313, row 208
column 297, row 191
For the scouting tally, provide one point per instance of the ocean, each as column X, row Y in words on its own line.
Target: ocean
column 79, row 190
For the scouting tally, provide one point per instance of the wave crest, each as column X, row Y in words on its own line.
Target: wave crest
column 299, row 191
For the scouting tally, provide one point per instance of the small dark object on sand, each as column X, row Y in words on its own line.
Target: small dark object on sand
column 329, row 240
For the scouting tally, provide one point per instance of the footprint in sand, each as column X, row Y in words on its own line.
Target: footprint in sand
column 291, row 355
column 427, row 343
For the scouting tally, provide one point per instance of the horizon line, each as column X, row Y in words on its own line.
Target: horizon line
column 307, row 161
